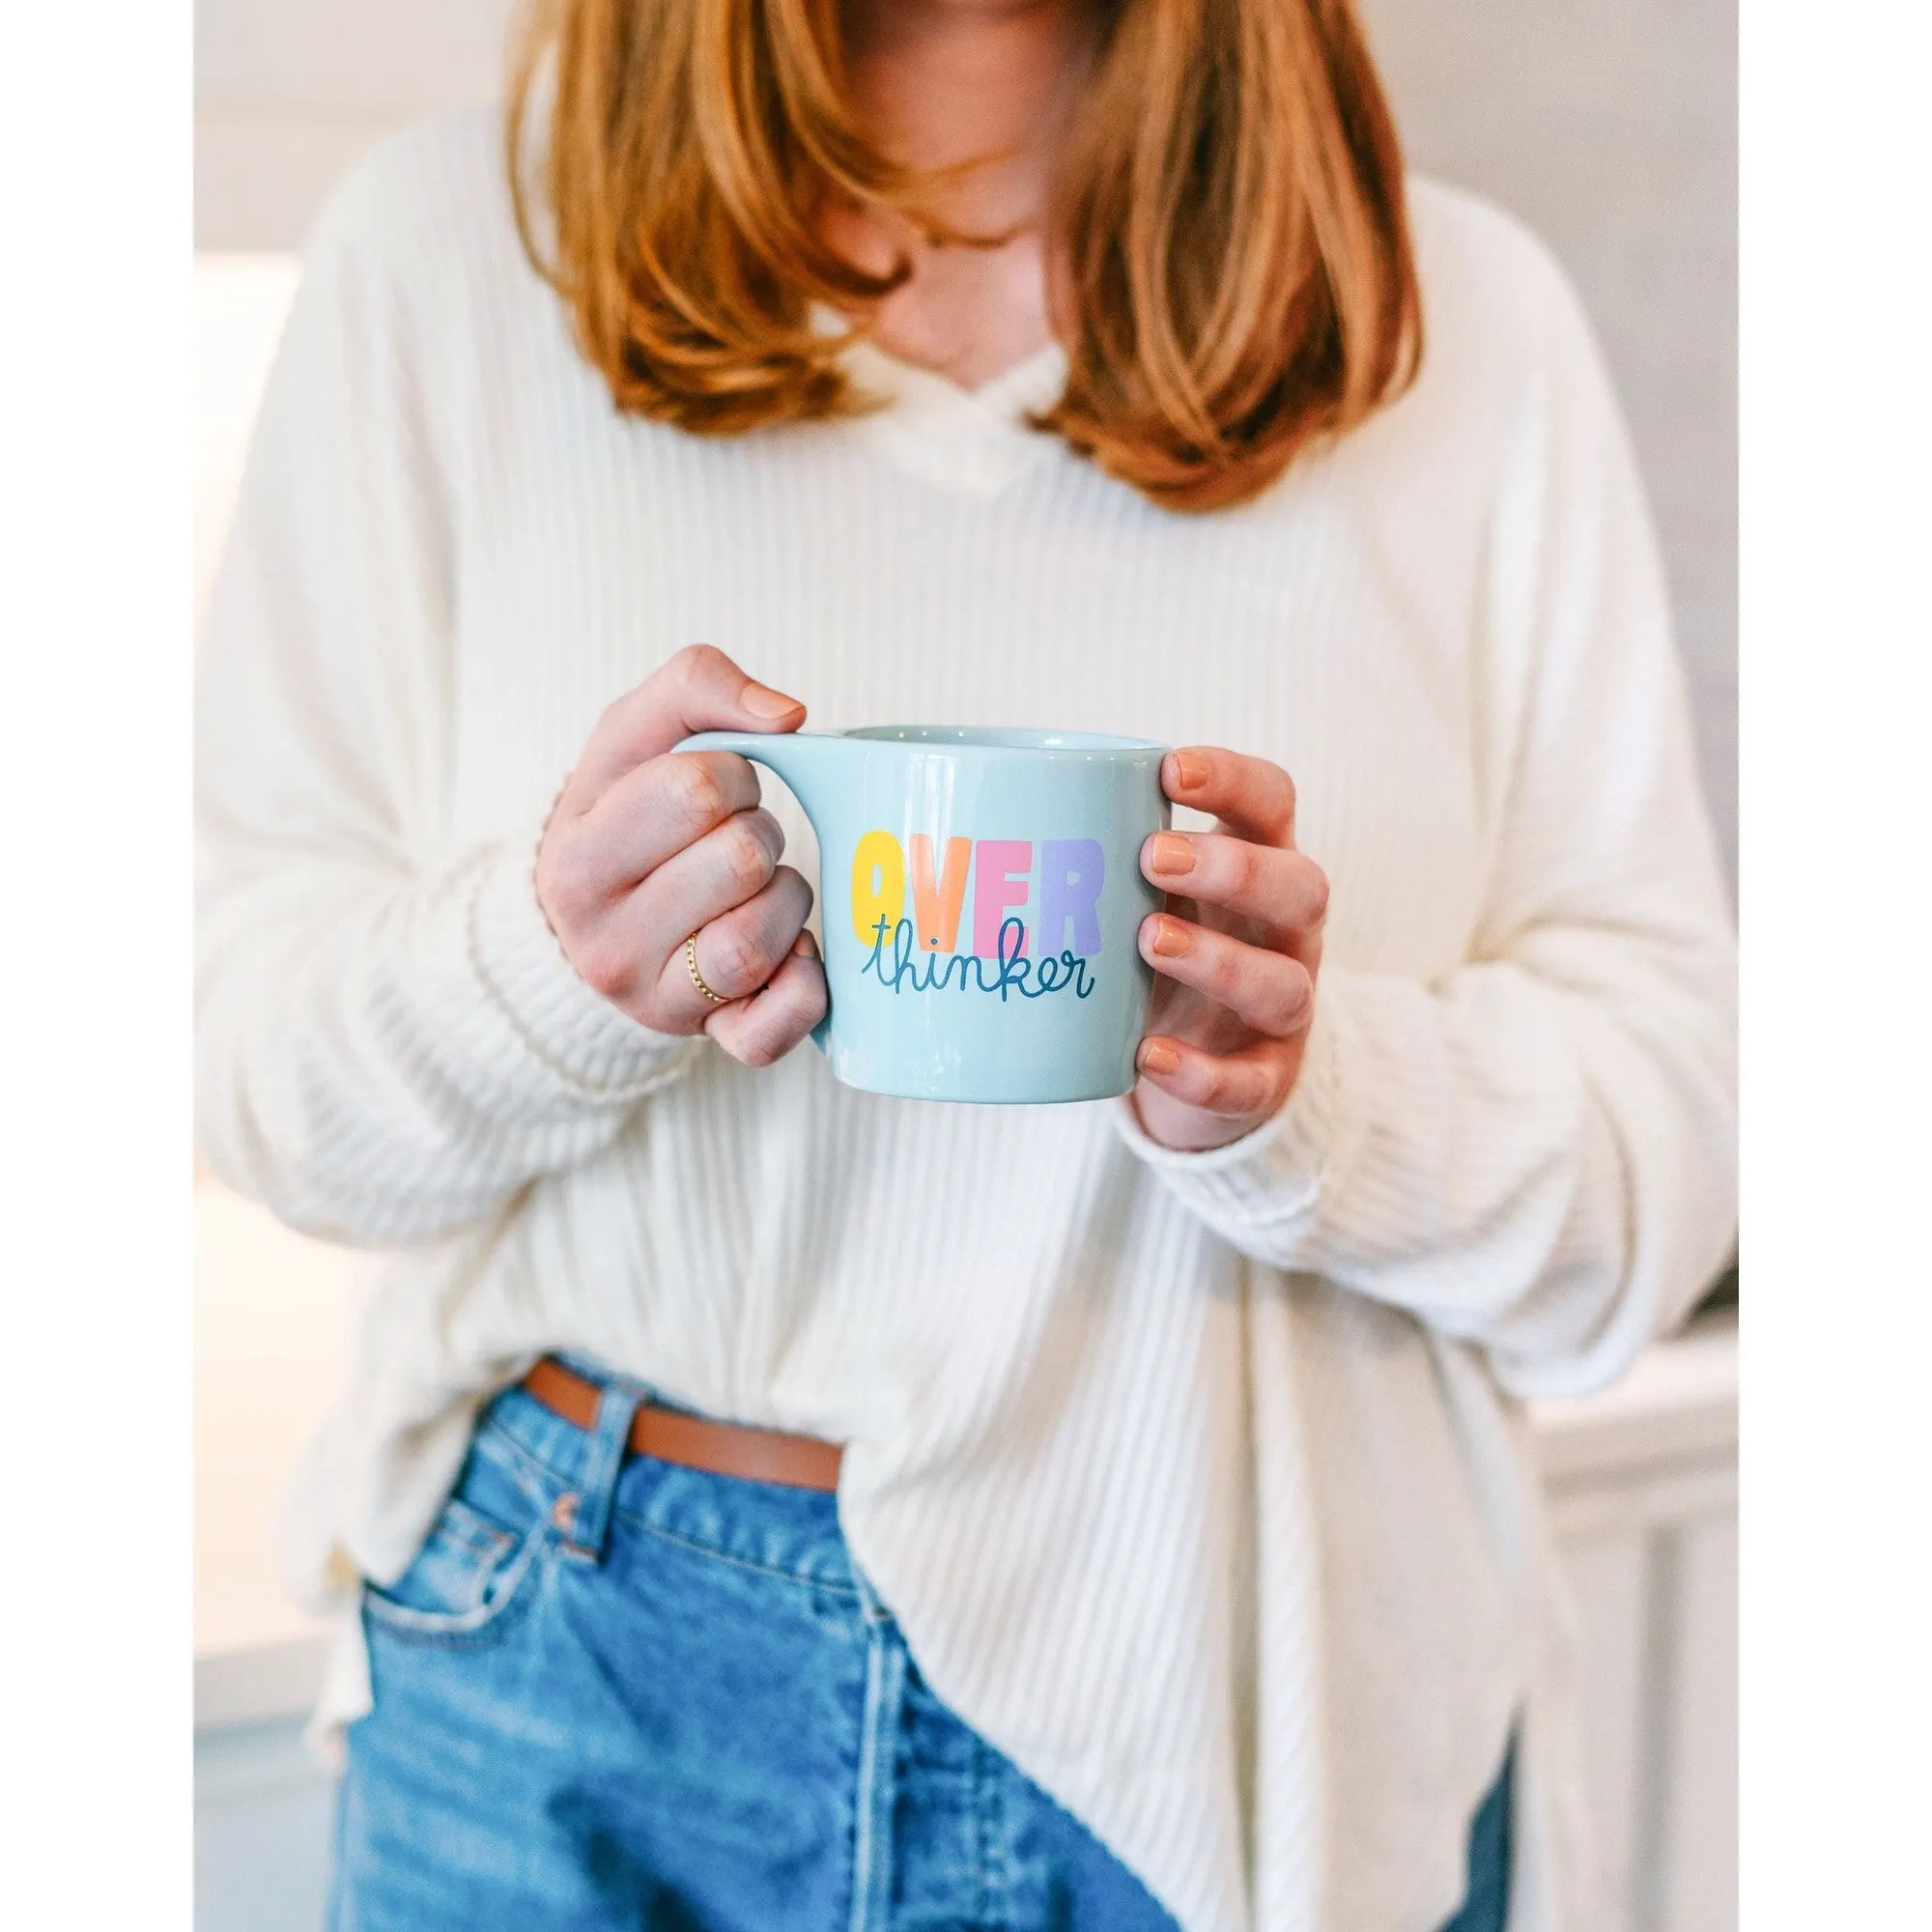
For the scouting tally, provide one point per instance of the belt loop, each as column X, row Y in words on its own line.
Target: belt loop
column 602, row 1464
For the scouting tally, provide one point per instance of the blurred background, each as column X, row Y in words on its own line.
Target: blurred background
column 1609, row 127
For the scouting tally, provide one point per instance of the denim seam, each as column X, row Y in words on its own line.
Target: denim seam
column 983, row 1796
column 553, row 1482
column 464, row 1629
column 484, row 1544
column 529, row 1471
column 877, row 1779
column 717, row 1555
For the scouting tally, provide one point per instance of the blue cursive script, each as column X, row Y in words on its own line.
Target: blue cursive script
column 906, row 969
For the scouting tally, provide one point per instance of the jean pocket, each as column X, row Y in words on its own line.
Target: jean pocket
column 472, row 1569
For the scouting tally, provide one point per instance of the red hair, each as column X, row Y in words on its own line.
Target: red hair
column 1233, row 275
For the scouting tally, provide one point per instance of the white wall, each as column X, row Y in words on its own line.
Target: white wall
column 1610, row 127
column 289, row 92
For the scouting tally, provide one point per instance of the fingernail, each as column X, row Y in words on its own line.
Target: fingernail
column 1157, row 1057
column 804, row 946
column 1170, row 855
column 1169, row 939
column 762, row 701
column 1190, row 772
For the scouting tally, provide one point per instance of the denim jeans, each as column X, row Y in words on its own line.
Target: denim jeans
column 613, row 1692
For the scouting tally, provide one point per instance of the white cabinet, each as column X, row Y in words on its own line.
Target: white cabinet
column 1643, row 1492
column 262, row 1818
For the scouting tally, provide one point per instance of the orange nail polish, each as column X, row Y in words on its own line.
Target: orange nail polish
column 1157, row 1057
column 1170, row 938
column 1170, row 855
column 1190, row 772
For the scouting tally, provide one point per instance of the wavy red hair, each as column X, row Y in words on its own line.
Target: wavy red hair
column 1233, row 267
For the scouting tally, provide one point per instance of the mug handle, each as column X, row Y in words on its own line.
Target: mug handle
column 803, row 761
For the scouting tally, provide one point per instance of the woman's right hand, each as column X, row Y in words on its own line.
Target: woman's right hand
column 647, row 846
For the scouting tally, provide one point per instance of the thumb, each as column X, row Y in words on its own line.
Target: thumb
column 704, row 691
column 698, row 690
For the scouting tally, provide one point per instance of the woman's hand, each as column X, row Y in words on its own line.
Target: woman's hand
column 1237, row 949
column 647, row 846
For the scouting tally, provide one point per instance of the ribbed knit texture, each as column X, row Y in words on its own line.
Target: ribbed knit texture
column 1199, row 1483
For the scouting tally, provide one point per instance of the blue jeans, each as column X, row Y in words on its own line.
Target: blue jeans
column 612, row 1692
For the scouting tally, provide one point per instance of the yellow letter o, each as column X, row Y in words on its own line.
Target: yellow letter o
column 878, row 887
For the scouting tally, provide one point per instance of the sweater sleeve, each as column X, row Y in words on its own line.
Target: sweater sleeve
column 1535, row 1153
column 389, row 1040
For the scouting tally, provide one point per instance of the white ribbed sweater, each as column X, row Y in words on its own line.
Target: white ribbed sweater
column 1199, row 1483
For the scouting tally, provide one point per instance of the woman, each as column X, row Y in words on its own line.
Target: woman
column 762, row 1504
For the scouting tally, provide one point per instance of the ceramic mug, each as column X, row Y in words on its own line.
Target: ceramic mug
column 981, row 899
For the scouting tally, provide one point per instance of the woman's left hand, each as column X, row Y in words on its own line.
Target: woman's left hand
column 1237, row 949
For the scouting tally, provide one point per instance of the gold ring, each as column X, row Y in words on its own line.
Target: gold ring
column 698, row 977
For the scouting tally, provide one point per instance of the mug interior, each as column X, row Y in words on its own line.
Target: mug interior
column 1000, row 738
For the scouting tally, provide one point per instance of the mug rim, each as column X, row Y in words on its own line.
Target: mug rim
column 994, row 739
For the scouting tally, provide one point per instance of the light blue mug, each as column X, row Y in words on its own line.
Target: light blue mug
column 981, row 898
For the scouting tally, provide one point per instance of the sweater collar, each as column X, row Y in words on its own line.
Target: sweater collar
column 975, row 441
